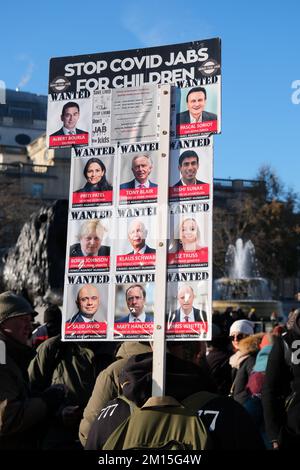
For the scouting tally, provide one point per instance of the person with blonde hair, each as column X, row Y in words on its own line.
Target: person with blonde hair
column 189, row 235
column 90, row 239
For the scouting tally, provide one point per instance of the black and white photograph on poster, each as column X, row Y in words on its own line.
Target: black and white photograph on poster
column 134, row 307
column 134, row 115
column 138, row 173
column 198, row 109
column 101, row 127
column 188, row 309
column 89, row 245
column 189, row 235
column 93, row 177
column 190, row 169
column 136, row 242
column 85, row 311
column 69, row 123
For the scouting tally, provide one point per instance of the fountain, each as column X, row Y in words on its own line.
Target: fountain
column 244, row 287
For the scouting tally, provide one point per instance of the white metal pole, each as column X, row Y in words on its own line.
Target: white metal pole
column 159, row 343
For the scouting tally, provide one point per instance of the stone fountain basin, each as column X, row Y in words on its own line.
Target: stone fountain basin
column 263, row 308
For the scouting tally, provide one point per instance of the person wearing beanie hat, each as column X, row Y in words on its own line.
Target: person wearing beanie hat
column 243, row 360
column 240, row 329
column 20, row 414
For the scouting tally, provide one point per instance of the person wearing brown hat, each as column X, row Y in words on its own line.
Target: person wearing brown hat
column 20, row 414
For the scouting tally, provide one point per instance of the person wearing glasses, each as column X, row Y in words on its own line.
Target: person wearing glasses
column 240, row 329
column 246, row 346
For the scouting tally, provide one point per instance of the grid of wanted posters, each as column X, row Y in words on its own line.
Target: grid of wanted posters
column 111, row 247
column 111, row 231
column 189, row 258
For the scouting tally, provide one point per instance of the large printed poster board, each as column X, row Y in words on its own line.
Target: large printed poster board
column 106, row 107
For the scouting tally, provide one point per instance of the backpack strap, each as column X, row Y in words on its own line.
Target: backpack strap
column 130, row 403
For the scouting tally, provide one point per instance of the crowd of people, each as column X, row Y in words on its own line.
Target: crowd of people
column 243, row 386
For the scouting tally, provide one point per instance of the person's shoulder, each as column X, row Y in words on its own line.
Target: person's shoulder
column 74, row 318
column 80, row 131
column 81, row 190
column 59, row 132
column 152, row 185
column 207, row 116
column 104, row 251
column 149, row 250
column 75, row 250
column 127, row 185
column 123, row 319
column 183, row 118
column 179, row 183
column 49, row 344
column 183, row 114
column 149, row 316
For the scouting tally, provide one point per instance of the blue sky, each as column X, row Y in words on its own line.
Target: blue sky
column 260, row 61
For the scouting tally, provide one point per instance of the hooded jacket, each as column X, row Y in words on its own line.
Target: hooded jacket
column 107, row 386
column 233, row 428
column 20, row 413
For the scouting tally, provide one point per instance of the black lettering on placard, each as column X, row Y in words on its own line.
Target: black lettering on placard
column 93, row 151
column 190, row 143
column 197, row 81
column 179, row 277
column 138, row 212
column 85, row 215
column 89, row 279
column 189, row 208
column 148, row 147
column 137, row 278
column 70, row 95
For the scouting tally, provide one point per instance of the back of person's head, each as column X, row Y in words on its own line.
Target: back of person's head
column 52, row 314
column 190, row 351
column 219, row 340
column 136, row 378
column 52, row 318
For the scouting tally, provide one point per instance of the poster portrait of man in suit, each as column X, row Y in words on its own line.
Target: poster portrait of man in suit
column 195, row 102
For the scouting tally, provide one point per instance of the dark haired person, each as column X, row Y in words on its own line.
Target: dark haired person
column 95, row 174
column 51, row 326
column 195, row 101
column 69, row 116
column 135, row 299
column 188, row 165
